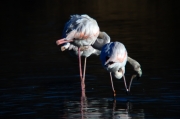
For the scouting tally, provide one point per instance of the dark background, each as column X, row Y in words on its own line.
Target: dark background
column 30, row 58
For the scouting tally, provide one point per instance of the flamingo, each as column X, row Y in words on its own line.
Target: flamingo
column 82, row 31
column 114, row 58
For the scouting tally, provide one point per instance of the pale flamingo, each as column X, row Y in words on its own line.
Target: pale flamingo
column 82, row 31
column 114, row 57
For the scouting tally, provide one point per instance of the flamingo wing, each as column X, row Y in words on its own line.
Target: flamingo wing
column 113, row 52
column 81, row 27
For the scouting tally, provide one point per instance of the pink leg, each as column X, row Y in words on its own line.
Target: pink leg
column 84, row 72
column 80, row 70
column 125, row 83
column 112, row 85
column 133, row 76
column 79, row 56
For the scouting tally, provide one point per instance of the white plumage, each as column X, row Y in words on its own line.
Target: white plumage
column 86, row 51
column 114, row 57
column 83, row 32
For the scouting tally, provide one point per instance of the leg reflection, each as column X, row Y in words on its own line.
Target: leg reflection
column 114, row 108
column 83, row 104
column 129, row 107
column 121, row 112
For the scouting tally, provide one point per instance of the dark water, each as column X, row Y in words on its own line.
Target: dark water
column 37, row 80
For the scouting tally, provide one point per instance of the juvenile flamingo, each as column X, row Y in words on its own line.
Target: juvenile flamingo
column 114, row 57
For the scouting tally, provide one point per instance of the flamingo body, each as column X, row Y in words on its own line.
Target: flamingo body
column 114, row 58
column 82, row 30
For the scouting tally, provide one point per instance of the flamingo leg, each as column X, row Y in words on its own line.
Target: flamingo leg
column 80, row 70
column 79, row 57
column 125, row 83
column 133, row 76
column 84, row 72
column 112, row 84
column 123, row 70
